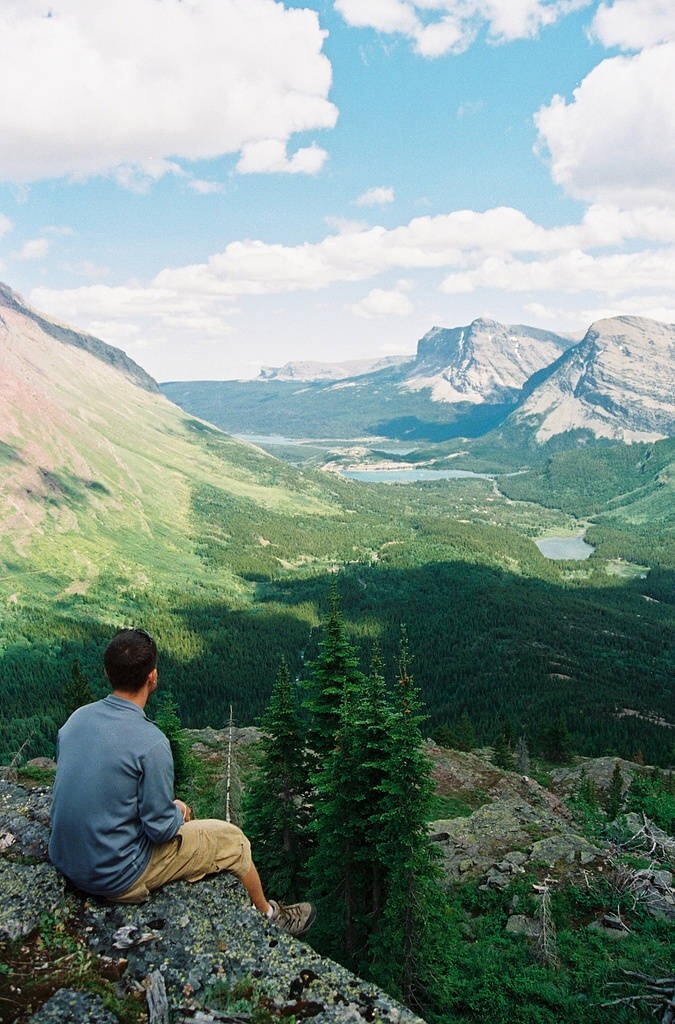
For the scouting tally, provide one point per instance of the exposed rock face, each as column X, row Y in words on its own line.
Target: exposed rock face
column 618, row 383
column 520, row 826
column 197, row 936
column 598, row 770
column 484, row 362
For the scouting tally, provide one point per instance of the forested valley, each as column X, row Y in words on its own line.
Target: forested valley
column 501, row 634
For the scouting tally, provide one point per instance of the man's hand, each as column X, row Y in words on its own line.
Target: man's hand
column 184, row 809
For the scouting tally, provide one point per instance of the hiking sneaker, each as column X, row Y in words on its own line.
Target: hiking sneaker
column 295, row 918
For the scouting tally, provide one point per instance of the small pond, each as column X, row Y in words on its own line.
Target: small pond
column 574, row 548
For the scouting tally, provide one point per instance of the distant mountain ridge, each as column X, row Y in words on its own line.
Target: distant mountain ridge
column 312, row 370
column 527, row 384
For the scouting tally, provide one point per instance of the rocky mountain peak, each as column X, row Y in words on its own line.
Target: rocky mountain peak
column 483, row 362
column 618, row 382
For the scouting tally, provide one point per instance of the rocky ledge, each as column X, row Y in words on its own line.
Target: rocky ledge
column 181, row 950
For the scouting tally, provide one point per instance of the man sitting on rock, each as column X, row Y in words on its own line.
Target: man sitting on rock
column 117, row 830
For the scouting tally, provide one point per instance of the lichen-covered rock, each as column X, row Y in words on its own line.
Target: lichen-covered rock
column 520, row 924
column 24, row 821
column 28, row 891
column 598, row 770
column 205, row 934
column 70, row 1007
column 569, row 848
column 201, row 937
column 655, row 890
column 509, row 826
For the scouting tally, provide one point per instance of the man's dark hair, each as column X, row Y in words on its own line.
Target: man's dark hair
column 129, row 659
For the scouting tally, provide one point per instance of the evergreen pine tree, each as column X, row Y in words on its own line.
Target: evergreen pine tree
column 168, row 721
column 465, row 734
column 557, row 742
column 276, row 811
column 585, row 803
column 77, row 691
column 444, row 735
column 408, row 948
column 334, row 671
column 614, row 797
column 347, row 870
column 502, row 755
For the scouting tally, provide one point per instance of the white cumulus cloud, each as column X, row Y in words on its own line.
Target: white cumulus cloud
column 574, row 272
column 634, row 24
column 437, row 27
column 130, row 88
column 267, row 156
column 609, row 254
column 5, row 225
column 381, row 302
column 615, row 140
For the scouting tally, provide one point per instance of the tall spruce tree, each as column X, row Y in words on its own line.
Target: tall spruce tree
column 465, row 734
column 168, row 720
column 614, row 797
column 334, row 671
column 408, row 948
column 501, row 751
column 276, row 809
column 348, row 874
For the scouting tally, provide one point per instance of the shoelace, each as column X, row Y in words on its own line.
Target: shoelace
column 291, row 916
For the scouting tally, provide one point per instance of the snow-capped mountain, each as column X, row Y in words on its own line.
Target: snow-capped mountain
column 618, row 382
column 486, row 362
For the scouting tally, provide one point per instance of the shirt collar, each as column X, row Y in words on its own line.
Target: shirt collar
column 125, row 705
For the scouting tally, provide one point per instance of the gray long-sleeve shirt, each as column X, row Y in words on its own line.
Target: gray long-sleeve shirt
column 113, row 796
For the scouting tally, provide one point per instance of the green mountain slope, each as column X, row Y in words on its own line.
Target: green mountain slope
column 99, row 472
column 627, row 492
column 118, row 508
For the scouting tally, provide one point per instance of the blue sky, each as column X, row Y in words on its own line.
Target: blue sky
column 217, row 185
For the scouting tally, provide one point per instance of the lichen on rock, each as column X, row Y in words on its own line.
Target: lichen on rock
column 203, row 938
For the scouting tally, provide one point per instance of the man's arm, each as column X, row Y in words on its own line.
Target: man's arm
column 160, row 816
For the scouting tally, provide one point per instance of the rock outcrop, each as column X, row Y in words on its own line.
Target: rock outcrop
column 198, row 940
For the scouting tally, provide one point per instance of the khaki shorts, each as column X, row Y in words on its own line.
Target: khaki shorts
column 199, row 848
